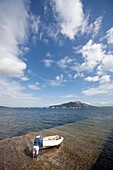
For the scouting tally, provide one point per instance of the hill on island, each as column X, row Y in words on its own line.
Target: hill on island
column 76, row 104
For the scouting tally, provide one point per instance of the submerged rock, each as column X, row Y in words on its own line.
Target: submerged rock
column 79, row 150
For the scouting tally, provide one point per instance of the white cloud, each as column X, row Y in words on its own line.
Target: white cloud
column 97, row 25
column 49, row 54
column 94, row 28
column 68, row 96
column 59, row 81
column 34, row 86
column 69, row 15
column 104, row 79
column 24, row 78
column 93, row 54
column 52, row 31
column 26, row 49
column 71, row 19
column 109, row 35
column 12, row 94
column 92, row 79
column 11, row 67
column 13, row 33
column 35, row 21
column 107, row 64
column 78, row 75
column 65, row 62
column 106, row 88
column 103, row 103
column 59, row 78
column 23, row 50
column 48, row 62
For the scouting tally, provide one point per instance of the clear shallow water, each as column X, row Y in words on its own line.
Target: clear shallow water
column 17, row 121
column 92, row 132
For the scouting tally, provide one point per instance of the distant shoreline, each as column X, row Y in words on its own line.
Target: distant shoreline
column 49, row 107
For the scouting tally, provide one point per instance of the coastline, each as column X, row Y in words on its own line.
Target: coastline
column 80, row 149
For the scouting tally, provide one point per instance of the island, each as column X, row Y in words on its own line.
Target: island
column 76, row 104
column 4, row 107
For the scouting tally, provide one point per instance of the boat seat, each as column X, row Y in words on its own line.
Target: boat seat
column 55, row 138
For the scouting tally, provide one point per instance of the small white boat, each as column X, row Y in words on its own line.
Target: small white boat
column 50, row 141
column 46, row 142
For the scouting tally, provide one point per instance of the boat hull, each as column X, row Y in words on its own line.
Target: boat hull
column 49, row 141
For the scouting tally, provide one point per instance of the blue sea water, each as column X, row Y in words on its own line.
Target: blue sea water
column 18, row 121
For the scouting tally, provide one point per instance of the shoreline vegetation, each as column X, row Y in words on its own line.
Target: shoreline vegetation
column 82, row 145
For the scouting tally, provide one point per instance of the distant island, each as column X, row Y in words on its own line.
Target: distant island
column 3, row 107
column 76, row 104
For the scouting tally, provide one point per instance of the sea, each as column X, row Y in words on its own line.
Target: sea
column 97, row 120
column 19, row 121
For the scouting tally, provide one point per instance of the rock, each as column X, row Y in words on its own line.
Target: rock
column 79, row 150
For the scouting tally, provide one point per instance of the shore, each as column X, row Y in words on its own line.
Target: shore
column 82, row 145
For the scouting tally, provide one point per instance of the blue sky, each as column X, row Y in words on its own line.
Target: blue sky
column 56, row 51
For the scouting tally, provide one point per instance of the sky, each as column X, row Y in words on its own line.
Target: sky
column 56, row 51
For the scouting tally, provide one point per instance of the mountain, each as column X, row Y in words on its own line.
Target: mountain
column 75, row 104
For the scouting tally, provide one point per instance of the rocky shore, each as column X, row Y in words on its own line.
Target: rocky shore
column 81, row 147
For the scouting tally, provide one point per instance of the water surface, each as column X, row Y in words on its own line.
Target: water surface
column 91, row 133
column 17, row 121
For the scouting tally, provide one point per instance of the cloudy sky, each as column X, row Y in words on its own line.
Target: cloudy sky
column 55, row 51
